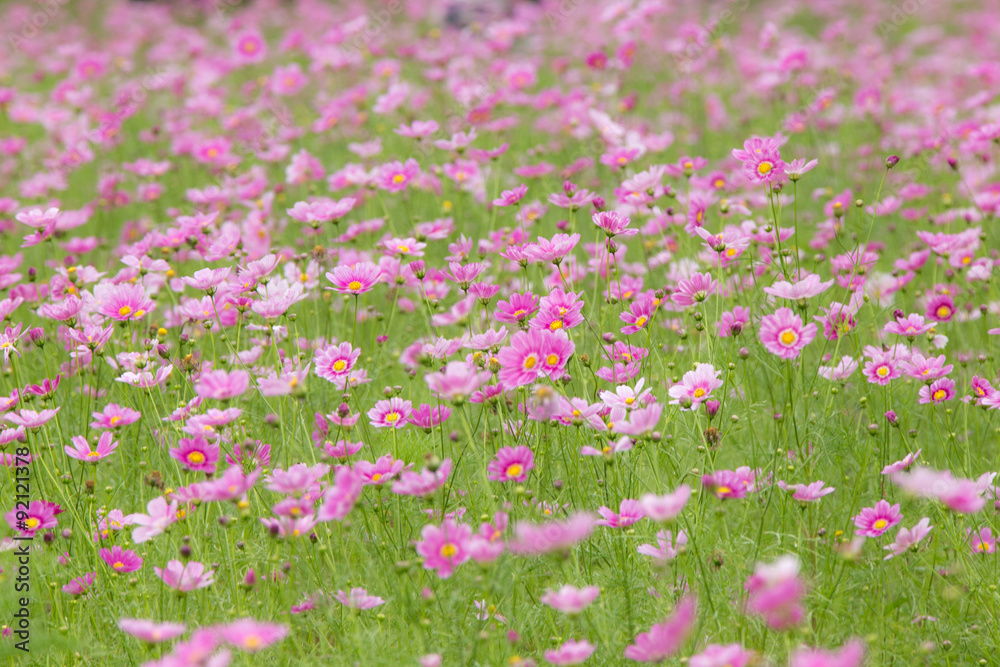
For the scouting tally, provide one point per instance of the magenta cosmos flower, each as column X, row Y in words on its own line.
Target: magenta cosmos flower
column 511, row 464
column 390, row 413
column 81, row 450
column 80, row 585
column 196, row 454
column 185, row 576
column 355, row 279
column 629, row 512
column 121, row 560
column 783, row 335
column 694, row 290
column 614, row 224
column 222, row 385
column 252, row 636
column 938, row 391
column 667, row 507
column 444, row 547
column 761, row 160
column 532, row 355
column 718, row 655
column 150, row 631
column 158, row 518
column 874, row 521
column 40, row 515
column 664, row 639
column 982, row 541
column 638, row 316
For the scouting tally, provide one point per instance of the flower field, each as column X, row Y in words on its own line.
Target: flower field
column 450, row 333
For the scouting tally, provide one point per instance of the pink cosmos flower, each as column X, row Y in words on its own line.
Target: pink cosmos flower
column 910, row 326
column 395, row 176
column 665, row 508
column 841, row 372
column 572, row 652
column 123, row 302
column 940, row 308
column 517, row 308
column 423, row 483
column 532, row 355
column 924, row 368
column 666, row 548
column 383, row 470
column 937, row 392
column 457, row 381
column 959, row 495
column 196, row 454
column 694, row 290
column 121, row 560
column 638, row 316
column 783, row 335
column 40, row 515
column 717, row 655
column 80, row 585
column 874, row 521
column 850, row 655
column 391, row 413
column 774, row 592
column 358, row 598
column 250, row 635
column 806, row 288
column 185, row 576
column 114, row 416
column 222, row 385
column 882, row 369
column 904, row 464
column 250, row 47
column 444, row 547
column 761, row 160
column 629, row 512
column 158, row 518
column 807, row 492
column 511, row 464
column 150, row 631
column 298, row 479
column 732, row 323
column 511, row 197
column 81, row 451
column 908, row 538
column 335, row 361
column 614, row 224
column 554, row 536
column 570, row 599
column 665, row 638
column 695, row 387
column 981, row 541
column 355, row 279
column 31, row 419
column 726, row 484
column 554, row 250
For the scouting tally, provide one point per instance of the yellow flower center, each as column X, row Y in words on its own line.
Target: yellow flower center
column 552, row 360
column 354, row 285
column 529, row 363
column 724, row 490
column 392, row 417
column 376, row 477
column 514, row 470
column 403, row 248
column 124, row 311
column 788, row 337
column 641, row 322
column 115, row 420
column 92, row 454
column 251, row 641
column 943, row 312
column 880, row 524
column 448, row 550
column 31, row 522
column 249, row 47
column 398, row 178
column 882, row 371
column 630, row 400
column 940, row 394
column 730, row 252
column 983, row 547
column 764, row 168
column 556, row 324
column 196, row 457
column 699, row 392
column 622, row 160
column 719, row 182
column 339, row 365
column 118, row 565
